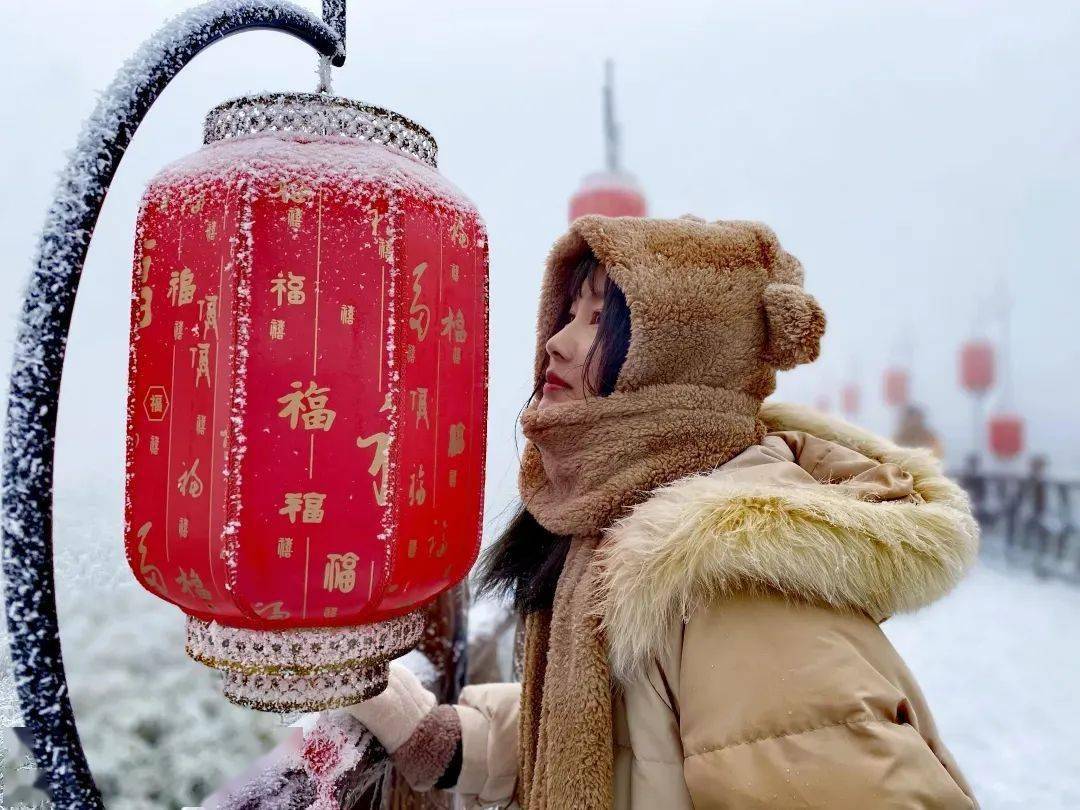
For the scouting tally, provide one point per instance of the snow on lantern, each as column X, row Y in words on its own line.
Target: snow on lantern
column 1006, row 435
column 977, row 366
column 897, row 385
column 307, row 395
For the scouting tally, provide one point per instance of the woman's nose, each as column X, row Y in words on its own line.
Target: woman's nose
column 556, row 345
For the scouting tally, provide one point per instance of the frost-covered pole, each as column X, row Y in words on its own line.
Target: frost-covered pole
column 30, row 432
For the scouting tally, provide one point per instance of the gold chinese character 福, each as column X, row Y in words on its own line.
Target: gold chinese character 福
column 309, row 405
column 340, row 572
column 189, row 482
column 191, row 583
column 417, row 493
column 291, row 288
column 309, row 505
column 454, row 325
column 181, row 287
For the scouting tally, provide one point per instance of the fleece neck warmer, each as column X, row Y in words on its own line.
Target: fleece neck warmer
column 715, row 310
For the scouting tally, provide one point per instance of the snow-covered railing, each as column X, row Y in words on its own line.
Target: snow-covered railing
column 30, row 431
column 1028, row 519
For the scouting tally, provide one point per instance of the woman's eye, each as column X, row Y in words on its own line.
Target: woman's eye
column 595, row 318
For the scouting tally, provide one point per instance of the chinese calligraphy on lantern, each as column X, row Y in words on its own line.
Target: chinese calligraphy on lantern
column 419, row 314
column 340, row 572
column 284, row 547
column 457, row 439
column 307, row 405
column 200, row 361
column 417, row 493
column 191, row 583
column 308, row 505
column 181, row 287
column 379, row 464
column 420, row 406
column 189, row 482
column 208, row 314
column 277, row 329
column 290, row 289
column 348, row 314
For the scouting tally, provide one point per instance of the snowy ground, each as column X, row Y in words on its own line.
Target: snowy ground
column 999, row 661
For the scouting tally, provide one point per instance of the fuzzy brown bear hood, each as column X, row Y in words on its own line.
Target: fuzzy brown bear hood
column 718, row 304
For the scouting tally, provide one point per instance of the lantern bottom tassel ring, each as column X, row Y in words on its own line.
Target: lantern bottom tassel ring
column 302, row 669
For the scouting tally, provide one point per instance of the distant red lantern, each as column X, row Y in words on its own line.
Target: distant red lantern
column 612, row 194
column 307, row 395
column 977, row 366
column 1006, row 435
column 849, row 399
column 897, row 387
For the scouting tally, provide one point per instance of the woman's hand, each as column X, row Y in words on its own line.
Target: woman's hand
column 394, row 714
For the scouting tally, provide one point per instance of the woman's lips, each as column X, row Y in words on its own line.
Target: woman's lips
column 553, row 382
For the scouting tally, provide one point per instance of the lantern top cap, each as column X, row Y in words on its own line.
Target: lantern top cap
column 319, row 114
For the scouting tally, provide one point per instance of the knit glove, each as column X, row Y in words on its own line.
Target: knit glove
column 422, row 737
column 396, row 712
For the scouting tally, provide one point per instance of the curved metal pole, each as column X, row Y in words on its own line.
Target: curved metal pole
column 30, row 432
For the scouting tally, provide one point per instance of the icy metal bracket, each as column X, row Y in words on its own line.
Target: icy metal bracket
column 30, row 431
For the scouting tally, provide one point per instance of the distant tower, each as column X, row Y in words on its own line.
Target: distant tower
column 612, row 192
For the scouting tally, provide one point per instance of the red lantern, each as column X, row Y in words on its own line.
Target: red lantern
column 307, row 395
column 977, row 366
column 1006, row 434
column 849, row 399
column 613, row 194
column 897, row 386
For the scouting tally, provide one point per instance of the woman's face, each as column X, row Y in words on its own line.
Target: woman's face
column 567, row 348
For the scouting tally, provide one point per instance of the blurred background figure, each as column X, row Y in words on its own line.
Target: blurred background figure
column 914, row 432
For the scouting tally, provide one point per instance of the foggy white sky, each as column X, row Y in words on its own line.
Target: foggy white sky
column 911, row 154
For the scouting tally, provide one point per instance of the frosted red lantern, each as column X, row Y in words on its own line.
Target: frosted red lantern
column 1006, row 435
column 849, row 399
column 977, row 366
column 307, row 395
column 897, row 387
column 612, row 194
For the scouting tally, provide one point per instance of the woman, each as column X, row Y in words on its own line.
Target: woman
column 700, row 577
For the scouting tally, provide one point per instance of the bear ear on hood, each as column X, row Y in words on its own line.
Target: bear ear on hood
column 794, row 322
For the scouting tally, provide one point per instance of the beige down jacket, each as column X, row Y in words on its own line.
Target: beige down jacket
column 743, row 633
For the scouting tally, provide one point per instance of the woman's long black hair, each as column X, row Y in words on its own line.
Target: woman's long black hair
column 525, row 561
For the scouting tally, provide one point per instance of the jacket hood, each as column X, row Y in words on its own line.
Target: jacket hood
column 716, row 304
column 822, row 512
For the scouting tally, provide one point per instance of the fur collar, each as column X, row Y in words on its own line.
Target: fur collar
column 700, row 537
